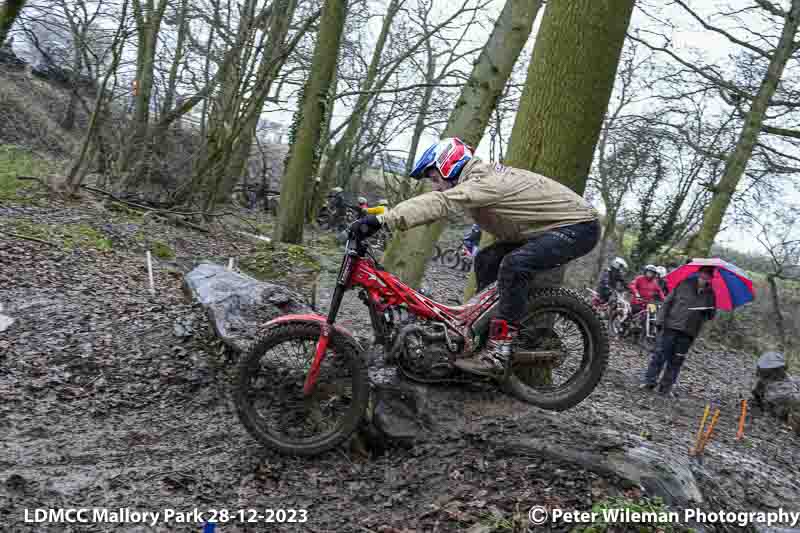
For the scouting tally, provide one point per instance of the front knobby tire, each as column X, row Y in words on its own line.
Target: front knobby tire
column 340, row 400
column 594, row 336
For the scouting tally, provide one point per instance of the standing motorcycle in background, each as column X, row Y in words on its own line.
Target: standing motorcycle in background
column 649, row 330
column 619, row 309
column 303, row 388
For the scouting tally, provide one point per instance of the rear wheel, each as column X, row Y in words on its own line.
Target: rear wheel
column 269, row 394
column 562, row 349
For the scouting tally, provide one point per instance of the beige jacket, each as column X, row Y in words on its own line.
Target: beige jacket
column 511, row 204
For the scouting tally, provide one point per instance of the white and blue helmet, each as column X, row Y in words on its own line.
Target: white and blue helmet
column 448, row 156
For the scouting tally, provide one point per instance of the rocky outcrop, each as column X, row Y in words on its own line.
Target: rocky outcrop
column 659, row 470
column 237, row 304
column 775, row 391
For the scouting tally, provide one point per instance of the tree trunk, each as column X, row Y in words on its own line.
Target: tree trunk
column 235, row 117
column 337, row 162
column 172, row 81
column 409, row 251
column 700, row 245
column 776, row 310
column 268, row 68
column 343, row 150
column 569, row 84
column 207, row 76
column 419, row 126
column 8, row 14
column 300, row 169
column 148, row 24
column 78, row 169
column 608, row 234
column 318, row 193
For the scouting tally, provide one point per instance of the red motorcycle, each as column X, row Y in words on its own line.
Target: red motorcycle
column 642, row 325
column 303, row 388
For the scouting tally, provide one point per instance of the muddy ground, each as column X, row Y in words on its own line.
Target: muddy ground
column 113, row 397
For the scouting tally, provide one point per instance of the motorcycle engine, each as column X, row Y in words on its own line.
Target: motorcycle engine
column 423, row 353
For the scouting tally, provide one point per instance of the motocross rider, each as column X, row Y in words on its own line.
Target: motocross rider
column 662, row 279
column 645, row 289
column 612, row 278
column 539, row 223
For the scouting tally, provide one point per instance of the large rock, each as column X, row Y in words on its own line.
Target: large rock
column 775, row 391
column 660, row 471
column 238, row 304
column 770, row 368
column 401, row 413
column 782, row 400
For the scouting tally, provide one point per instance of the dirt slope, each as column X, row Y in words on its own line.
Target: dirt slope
column 116, row 398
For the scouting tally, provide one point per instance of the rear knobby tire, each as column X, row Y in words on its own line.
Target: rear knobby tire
column 571, row 304
column 343, row 347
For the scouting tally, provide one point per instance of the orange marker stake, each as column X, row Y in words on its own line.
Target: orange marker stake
column 740, row 433
column 710, row 430
column 699, row 438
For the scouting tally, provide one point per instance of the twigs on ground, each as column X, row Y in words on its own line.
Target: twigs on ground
column 25, row 237
column 42, row 182
column 174, row 216
column 229, row 233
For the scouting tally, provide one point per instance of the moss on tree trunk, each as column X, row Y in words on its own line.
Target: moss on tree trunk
column 303, row 160
column 409, row 251
column 8, row 14
column 569, row 84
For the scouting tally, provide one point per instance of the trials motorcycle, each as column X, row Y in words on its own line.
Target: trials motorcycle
column 303, row 388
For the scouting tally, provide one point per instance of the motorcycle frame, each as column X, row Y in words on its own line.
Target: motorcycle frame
column 384, row 290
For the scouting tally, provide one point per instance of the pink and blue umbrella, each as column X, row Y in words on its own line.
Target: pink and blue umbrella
column 731, row 285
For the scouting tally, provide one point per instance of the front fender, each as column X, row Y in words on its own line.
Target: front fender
column 317, row 318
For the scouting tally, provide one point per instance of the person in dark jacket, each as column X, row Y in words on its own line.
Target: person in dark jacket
column 612, row 279
column 681, row 318
column 337, row 208
column 472, row 239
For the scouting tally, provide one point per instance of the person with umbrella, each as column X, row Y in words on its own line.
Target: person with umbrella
column 698, row 289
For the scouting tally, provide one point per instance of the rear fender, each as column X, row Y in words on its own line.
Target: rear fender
column 315, row 318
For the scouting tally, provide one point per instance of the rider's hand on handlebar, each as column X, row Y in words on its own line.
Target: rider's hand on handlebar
column 366, row 226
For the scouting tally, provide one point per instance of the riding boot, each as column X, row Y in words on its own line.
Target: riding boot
column 491, row 360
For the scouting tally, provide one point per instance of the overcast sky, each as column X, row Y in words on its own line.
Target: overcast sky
column 687, row 38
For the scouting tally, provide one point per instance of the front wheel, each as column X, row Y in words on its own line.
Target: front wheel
column 561, row 353
column 616, row 323
column 269, row 395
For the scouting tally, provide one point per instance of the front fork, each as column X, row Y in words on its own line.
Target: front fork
column 327, row 327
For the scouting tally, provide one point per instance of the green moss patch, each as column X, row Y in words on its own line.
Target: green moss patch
column 162, row 250
column 290, row 264
column 16, row 161
column 69, row 236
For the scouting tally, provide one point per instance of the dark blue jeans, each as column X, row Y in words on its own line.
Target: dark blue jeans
column 513, row 265
column 670, row 353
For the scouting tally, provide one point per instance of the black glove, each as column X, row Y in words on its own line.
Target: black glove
column 366, row 226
